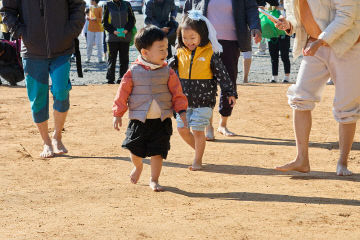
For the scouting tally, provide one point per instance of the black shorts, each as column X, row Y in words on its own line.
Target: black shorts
column 148, row 139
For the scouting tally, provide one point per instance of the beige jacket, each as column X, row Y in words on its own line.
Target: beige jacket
column 339, row 21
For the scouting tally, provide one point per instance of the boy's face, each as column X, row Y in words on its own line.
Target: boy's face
column 190, row 38
column 157, row 53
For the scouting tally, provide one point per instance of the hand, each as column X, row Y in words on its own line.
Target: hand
column 116, row 33
column 283, row 24
column 117, row 123
column 256, row 34
column 183, row 118
column 312, row 47
column 125, row 31
column 232, row 101
column 165, row 29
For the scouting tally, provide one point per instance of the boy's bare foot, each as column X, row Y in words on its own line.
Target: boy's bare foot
column 224, row 131
column 209, row 136
column 195, row 167
column 342, row 170
column 295, row 165
column 155, row 186
column 47, row 152
column 58, row 146
column 135, row 174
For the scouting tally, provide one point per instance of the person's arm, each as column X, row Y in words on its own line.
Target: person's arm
column 131, row 18
column 107, row 25
column 98, row 15
column 274, row 3
column 345, row 14
column 149, row 16
column 76, row 17
column 252, row 14
column 10, row 12
column 221, row 75
column 173, row 63
column 120, row 102
column 173, row 12
column 179, row 100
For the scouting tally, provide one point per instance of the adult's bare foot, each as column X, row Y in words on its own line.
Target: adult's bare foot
column 294, row 166
column 47, row 152
column 209, row 136
column 342, row 170
column 135, row 174
column 155, row 186
column 58, row 146
column 224, row 131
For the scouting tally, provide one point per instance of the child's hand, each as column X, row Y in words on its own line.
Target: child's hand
column 117, row 123
column 183, row 118
column 232, row 101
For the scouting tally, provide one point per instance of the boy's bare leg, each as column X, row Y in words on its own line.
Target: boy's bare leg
column 138, row 167
column 346, row 138
column 59, row 119
column 188, row 137
column 223, row 129
column 210, row 131
column 156, row 165
column 48, row 149
column 302, row 126
column 200, row 143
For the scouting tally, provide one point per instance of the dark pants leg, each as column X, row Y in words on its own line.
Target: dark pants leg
column 78, row 58
column 230, row 58
column 104, row 42
column 111, row 62
column 274, row 54
column 284, row 46
column 123, row 58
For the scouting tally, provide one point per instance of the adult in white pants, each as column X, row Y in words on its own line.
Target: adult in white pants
column 95, row 38
column 327, row 32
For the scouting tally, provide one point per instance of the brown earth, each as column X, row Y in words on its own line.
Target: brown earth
column 87, row 194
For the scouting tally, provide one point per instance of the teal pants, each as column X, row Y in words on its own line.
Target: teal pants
column 37, row 73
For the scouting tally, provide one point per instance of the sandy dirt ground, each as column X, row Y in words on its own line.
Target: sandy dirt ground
column 87, row 193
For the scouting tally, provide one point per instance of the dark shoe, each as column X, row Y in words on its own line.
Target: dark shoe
column 110, row 82
column 285, row 81
column 118, row 81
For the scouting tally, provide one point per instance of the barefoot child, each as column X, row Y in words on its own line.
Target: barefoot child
column 200, row 68
column 151, row 91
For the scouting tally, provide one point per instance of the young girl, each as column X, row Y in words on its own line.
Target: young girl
column 200, row 69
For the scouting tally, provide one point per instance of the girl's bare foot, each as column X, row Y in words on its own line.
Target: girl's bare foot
column 209, row 136
column 155, row 186
column 195, row 167
column 342, row 170
column 58, row 146
column 135, row 174
column 47, row 152
column 295, row 165
column 224, row 131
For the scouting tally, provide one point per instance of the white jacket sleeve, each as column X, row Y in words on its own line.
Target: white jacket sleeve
column 344, row 18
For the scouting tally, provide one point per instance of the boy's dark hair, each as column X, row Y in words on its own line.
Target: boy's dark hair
column 97, row 1
column 198, row 26
column 146, row 36
column 87, row 10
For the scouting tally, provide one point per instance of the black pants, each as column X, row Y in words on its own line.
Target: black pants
column 6, row 35
column 78, row 58
column 281, row 44
column 114, row 48
column 230, row 58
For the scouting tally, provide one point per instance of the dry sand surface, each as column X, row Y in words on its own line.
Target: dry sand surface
column 87, row 193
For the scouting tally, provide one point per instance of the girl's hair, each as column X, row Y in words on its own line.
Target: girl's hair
column 197, row 26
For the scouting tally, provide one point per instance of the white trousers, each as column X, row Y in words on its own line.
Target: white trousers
column 316, row 70
column 95, row 38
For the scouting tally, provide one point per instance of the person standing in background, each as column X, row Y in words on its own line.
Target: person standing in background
column 118, row 21
column 95, row 31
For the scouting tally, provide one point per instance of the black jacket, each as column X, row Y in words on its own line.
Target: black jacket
column 47, row 27
column 271, row 2
column 246, row 18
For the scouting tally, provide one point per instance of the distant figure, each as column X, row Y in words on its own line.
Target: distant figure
column 95, row 31
column 46, row 50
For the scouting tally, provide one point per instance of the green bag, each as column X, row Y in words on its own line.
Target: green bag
column 133, row 32
column 268, row 28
